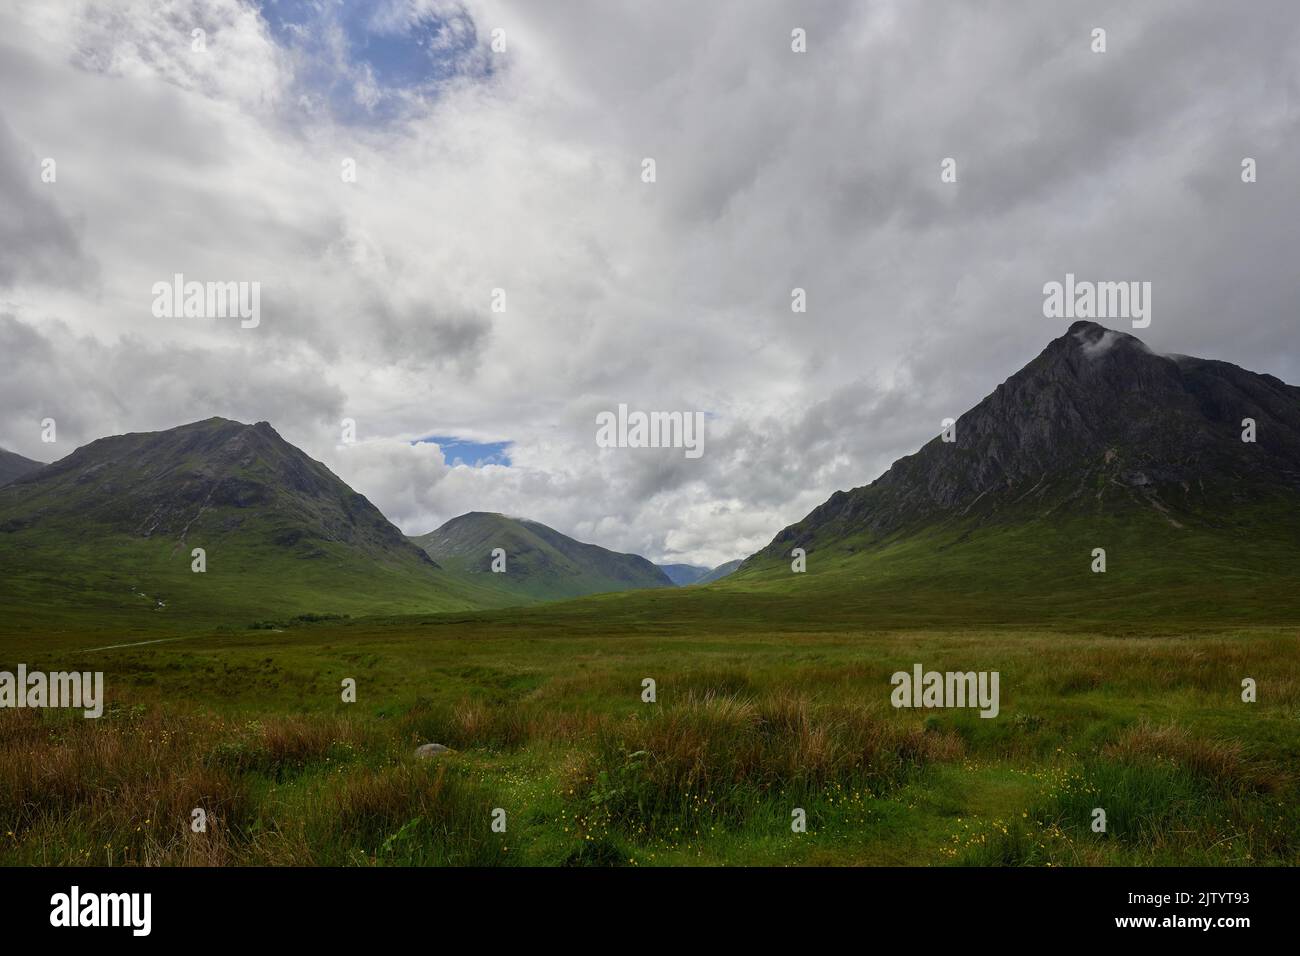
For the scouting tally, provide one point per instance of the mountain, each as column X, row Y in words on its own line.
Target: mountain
column 112, row 526
column 683, row 574
column 1098, row 442
column 721, row 571
column 540, row 563
column 14, row 466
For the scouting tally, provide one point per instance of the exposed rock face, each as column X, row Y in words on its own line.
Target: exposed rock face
column 1097, row 417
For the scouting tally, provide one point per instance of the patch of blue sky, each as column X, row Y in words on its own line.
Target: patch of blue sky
column 373, row 62
column 460, row 451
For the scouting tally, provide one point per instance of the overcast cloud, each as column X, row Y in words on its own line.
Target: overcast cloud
column 522, row 171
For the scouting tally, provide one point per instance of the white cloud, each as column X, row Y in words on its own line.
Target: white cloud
column 775, row 170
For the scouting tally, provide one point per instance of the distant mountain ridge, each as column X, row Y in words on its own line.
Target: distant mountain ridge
column 683, row 574
column 720, row 572
column 14, row 466
column 540, row 562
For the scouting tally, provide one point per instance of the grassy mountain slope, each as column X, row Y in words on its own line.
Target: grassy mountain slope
column 110, row 530
column 541, row 564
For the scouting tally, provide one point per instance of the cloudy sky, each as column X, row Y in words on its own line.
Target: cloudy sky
column 521, row 169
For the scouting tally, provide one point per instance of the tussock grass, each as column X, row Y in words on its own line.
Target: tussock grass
column 122, row 790
column 116, row 790
column 720, row 758
column 486, row 725
column 1222, row 762
column 1169, row 797
column 552, row 728
column 409, row 814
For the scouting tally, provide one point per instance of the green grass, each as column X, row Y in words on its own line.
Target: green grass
column 116, row 585
column 1120, row 691
column 1036, row 570
column 547, row 723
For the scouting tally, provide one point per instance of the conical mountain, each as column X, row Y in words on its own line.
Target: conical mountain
column 1097, row 421
column 115, row 525
column 1100, row 479
column 539, row 562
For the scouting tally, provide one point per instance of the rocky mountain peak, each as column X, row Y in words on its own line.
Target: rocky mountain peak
column 1097, row 419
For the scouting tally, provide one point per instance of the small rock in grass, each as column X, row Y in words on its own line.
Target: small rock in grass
column 430, row 750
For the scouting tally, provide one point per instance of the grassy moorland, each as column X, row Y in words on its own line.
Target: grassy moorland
column 149, row 588
column 546, row 721
column 1120, row 691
